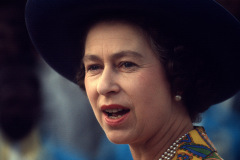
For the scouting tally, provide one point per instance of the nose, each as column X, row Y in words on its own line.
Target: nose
column 107, row 82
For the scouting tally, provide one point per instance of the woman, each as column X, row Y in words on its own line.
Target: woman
column 148, row 68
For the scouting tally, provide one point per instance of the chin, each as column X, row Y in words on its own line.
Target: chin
column 118, row 137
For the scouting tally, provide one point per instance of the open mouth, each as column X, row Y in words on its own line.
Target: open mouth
column 115, row 113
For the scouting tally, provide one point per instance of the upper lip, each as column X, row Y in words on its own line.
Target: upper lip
column 113, row 107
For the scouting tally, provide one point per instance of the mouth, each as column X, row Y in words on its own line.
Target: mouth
column 114, row 111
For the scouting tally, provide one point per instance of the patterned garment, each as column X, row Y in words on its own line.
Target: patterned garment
column 196, row 146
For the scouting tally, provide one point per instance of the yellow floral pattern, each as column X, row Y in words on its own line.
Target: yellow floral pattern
column 196, row 146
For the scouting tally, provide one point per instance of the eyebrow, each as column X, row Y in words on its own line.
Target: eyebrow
column 118, row 55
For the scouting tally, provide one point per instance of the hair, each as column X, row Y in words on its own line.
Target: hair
column 182, row 59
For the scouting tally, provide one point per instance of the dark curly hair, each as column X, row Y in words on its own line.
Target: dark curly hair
column 186, row 66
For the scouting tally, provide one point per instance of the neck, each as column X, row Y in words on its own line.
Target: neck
column 154, row 147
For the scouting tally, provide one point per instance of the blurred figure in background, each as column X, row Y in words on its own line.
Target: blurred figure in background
column 20, row 112
column 20, row 92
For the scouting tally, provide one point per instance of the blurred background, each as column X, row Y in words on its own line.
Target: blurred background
column 45, row 117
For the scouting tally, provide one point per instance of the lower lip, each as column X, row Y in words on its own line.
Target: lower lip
column 116, row 122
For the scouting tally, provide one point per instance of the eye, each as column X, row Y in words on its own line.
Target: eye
column 93, row 69
column 127, row 66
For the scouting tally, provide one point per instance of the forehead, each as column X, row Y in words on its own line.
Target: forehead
column 115, row 34
column 115, row 24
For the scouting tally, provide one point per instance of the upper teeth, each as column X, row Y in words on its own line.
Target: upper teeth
column 113, row 110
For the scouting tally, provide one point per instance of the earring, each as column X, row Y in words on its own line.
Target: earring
column 178, row 98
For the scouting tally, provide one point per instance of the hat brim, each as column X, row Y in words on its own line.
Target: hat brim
column 56, row 28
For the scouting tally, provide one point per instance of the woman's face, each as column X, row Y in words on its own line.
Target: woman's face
column 125, row 83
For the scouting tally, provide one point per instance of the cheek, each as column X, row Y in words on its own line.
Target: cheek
column 91, row 92
column 149, row 81
column 149, row 89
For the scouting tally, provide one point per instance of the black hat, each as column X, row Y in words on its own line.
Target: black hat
column 57, row 26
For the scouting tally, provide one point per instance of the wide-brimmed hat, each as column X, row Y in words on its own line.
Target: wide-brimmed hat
column 57, row 26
